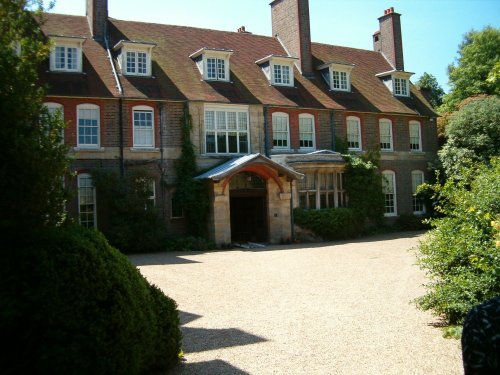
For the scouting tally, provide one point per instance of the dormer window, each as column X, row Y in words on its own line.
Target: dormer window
column 278, row 69
column 212, row 63
column 66, row 54
column 337, row 75
column 134, row 58
column 398, row 82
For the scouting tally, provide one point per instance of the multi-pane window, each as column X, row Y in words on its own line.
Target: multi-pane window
column 216, row 69
column 389, row 189
column 143, row 118
column 56, row 109
column 339, row 80
column 66, row 58
column 417, row 178
column 385, row 127
column 281, row 74
column 322, row 190
column 281, row 134
column 306, row 131
column 415, row 136
column 226, row 131
column 88, row 125
column 353, row 133
column 400, row 86
column 136, row 63
column 86, row 201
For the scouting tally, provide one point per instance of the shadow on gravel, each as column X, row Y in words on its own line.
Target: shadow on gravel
column 216, row 366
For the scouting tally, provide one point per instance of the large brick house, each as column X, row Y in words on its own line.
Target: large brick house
column 268, row 113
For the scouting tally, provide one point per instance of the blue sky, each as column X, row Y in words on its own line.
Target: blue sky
column 432, row 29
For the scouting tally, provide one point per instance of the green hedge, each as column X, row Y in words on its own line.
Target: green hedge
column 331, row 224
column 72, row 304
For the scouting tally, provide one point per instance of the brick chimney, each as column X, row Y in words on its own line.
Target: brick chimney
column 290, row 21
column 388, row 39
column 97, row 16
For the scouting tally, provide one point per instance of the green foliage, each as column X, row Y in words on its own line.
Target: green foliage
column 72, row 304
column 460, row 254
column 134, row 224
column 473, row 134
column 427, row 82
column 331, row 224
column 191, row 194
column 32, row 162
column 411, row 222
column 476, row 71
column 363, row 184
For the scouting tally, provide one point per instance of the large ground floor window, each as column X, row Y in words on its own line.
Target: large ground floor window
column 322, row 190
column 86, row 201
column 226, row 130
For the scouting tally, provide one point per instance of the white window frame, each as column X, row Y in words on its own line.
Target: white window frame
column 78, row 129
column 271, row 64
column 143, row 109
column 390, row 195
column 286, row 138
column 218, row 55
column 412, row 137
column 228, row 121
column 340, row 71
column 134, row 48
column 384, row 122
column 88, row 177
column 321, row 189
column 358, row 125
column 307, row 116
column 416, row 201
column 54, row 108
column 285, row 75
column 401, row 86
column 66, row 43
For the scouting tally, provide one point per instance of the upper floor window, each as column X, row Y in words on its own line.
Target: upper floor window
column 281, row 131
column 134, row 57
column 143, row 123
column 398, row 82
column 66, row 54
column 353, row 133
column 213, row 63
column 56, row 109
column 306, row 131
column 337, row 75
column 278, row 69
column 389, row 189
column 417, row 178
column 385, row 128
column 415, row 136
column 226, row 130
column 86, row 201
column 88, row 125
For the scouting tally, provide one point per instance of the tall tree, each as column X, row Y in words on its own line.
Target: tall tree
column 476, row 68
column 428, row 83
column 33, row 161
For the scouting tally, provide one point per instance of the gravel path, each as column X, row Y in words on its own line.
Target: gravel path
column 330, row 308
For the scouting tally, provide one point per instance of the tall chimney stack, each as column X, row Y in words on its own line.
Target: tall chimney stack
column 97, row 16
column 388, row 39
column 291, row 25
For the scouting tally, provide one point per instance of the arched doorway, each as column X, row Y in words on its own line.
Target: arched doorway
column 248, row 208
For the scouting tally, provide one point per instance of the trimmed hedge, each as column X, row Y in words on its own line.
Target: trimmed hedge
column 331, row 224
column 72, row 304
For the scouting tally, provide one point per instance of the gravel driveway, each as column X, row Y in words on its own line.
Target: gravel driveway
column 329, row 308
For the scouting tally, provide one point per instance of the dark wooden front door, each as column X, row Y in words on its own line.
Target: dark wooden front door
column 248, row 218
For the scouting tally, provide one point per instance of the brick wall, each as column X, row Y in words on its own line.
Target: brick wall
column 97, row 15
column 390, row 41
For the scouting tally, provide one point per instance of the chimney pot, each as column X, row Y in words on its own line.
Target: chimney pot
column 390, row 42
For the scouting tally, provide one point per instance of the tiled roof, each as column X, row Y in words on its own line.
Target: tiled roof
column 176, row 76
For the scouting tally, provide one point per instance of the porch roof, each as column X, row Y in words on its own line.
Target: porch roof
column 232, row 166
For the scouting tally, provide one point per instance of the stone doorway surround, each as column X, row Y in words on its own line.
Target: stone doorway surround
column 279, row 181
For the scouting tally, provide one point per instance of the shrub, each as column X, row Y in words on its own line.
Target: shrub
column 460, row 253
column 71, row 303
column 332, row 223
column 190, row 244
column 411, row 222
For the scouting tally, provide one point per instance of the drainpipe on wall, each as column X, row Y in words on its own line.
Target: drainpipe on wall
column 266, row 133
column 332, row 128
column 162, row 160
column 120, row 99
column 291, row 211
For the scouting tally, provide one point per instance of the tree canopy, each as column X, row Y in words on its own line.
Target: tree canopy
column 477, row 67
column 429, row 84
column 33, row 159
